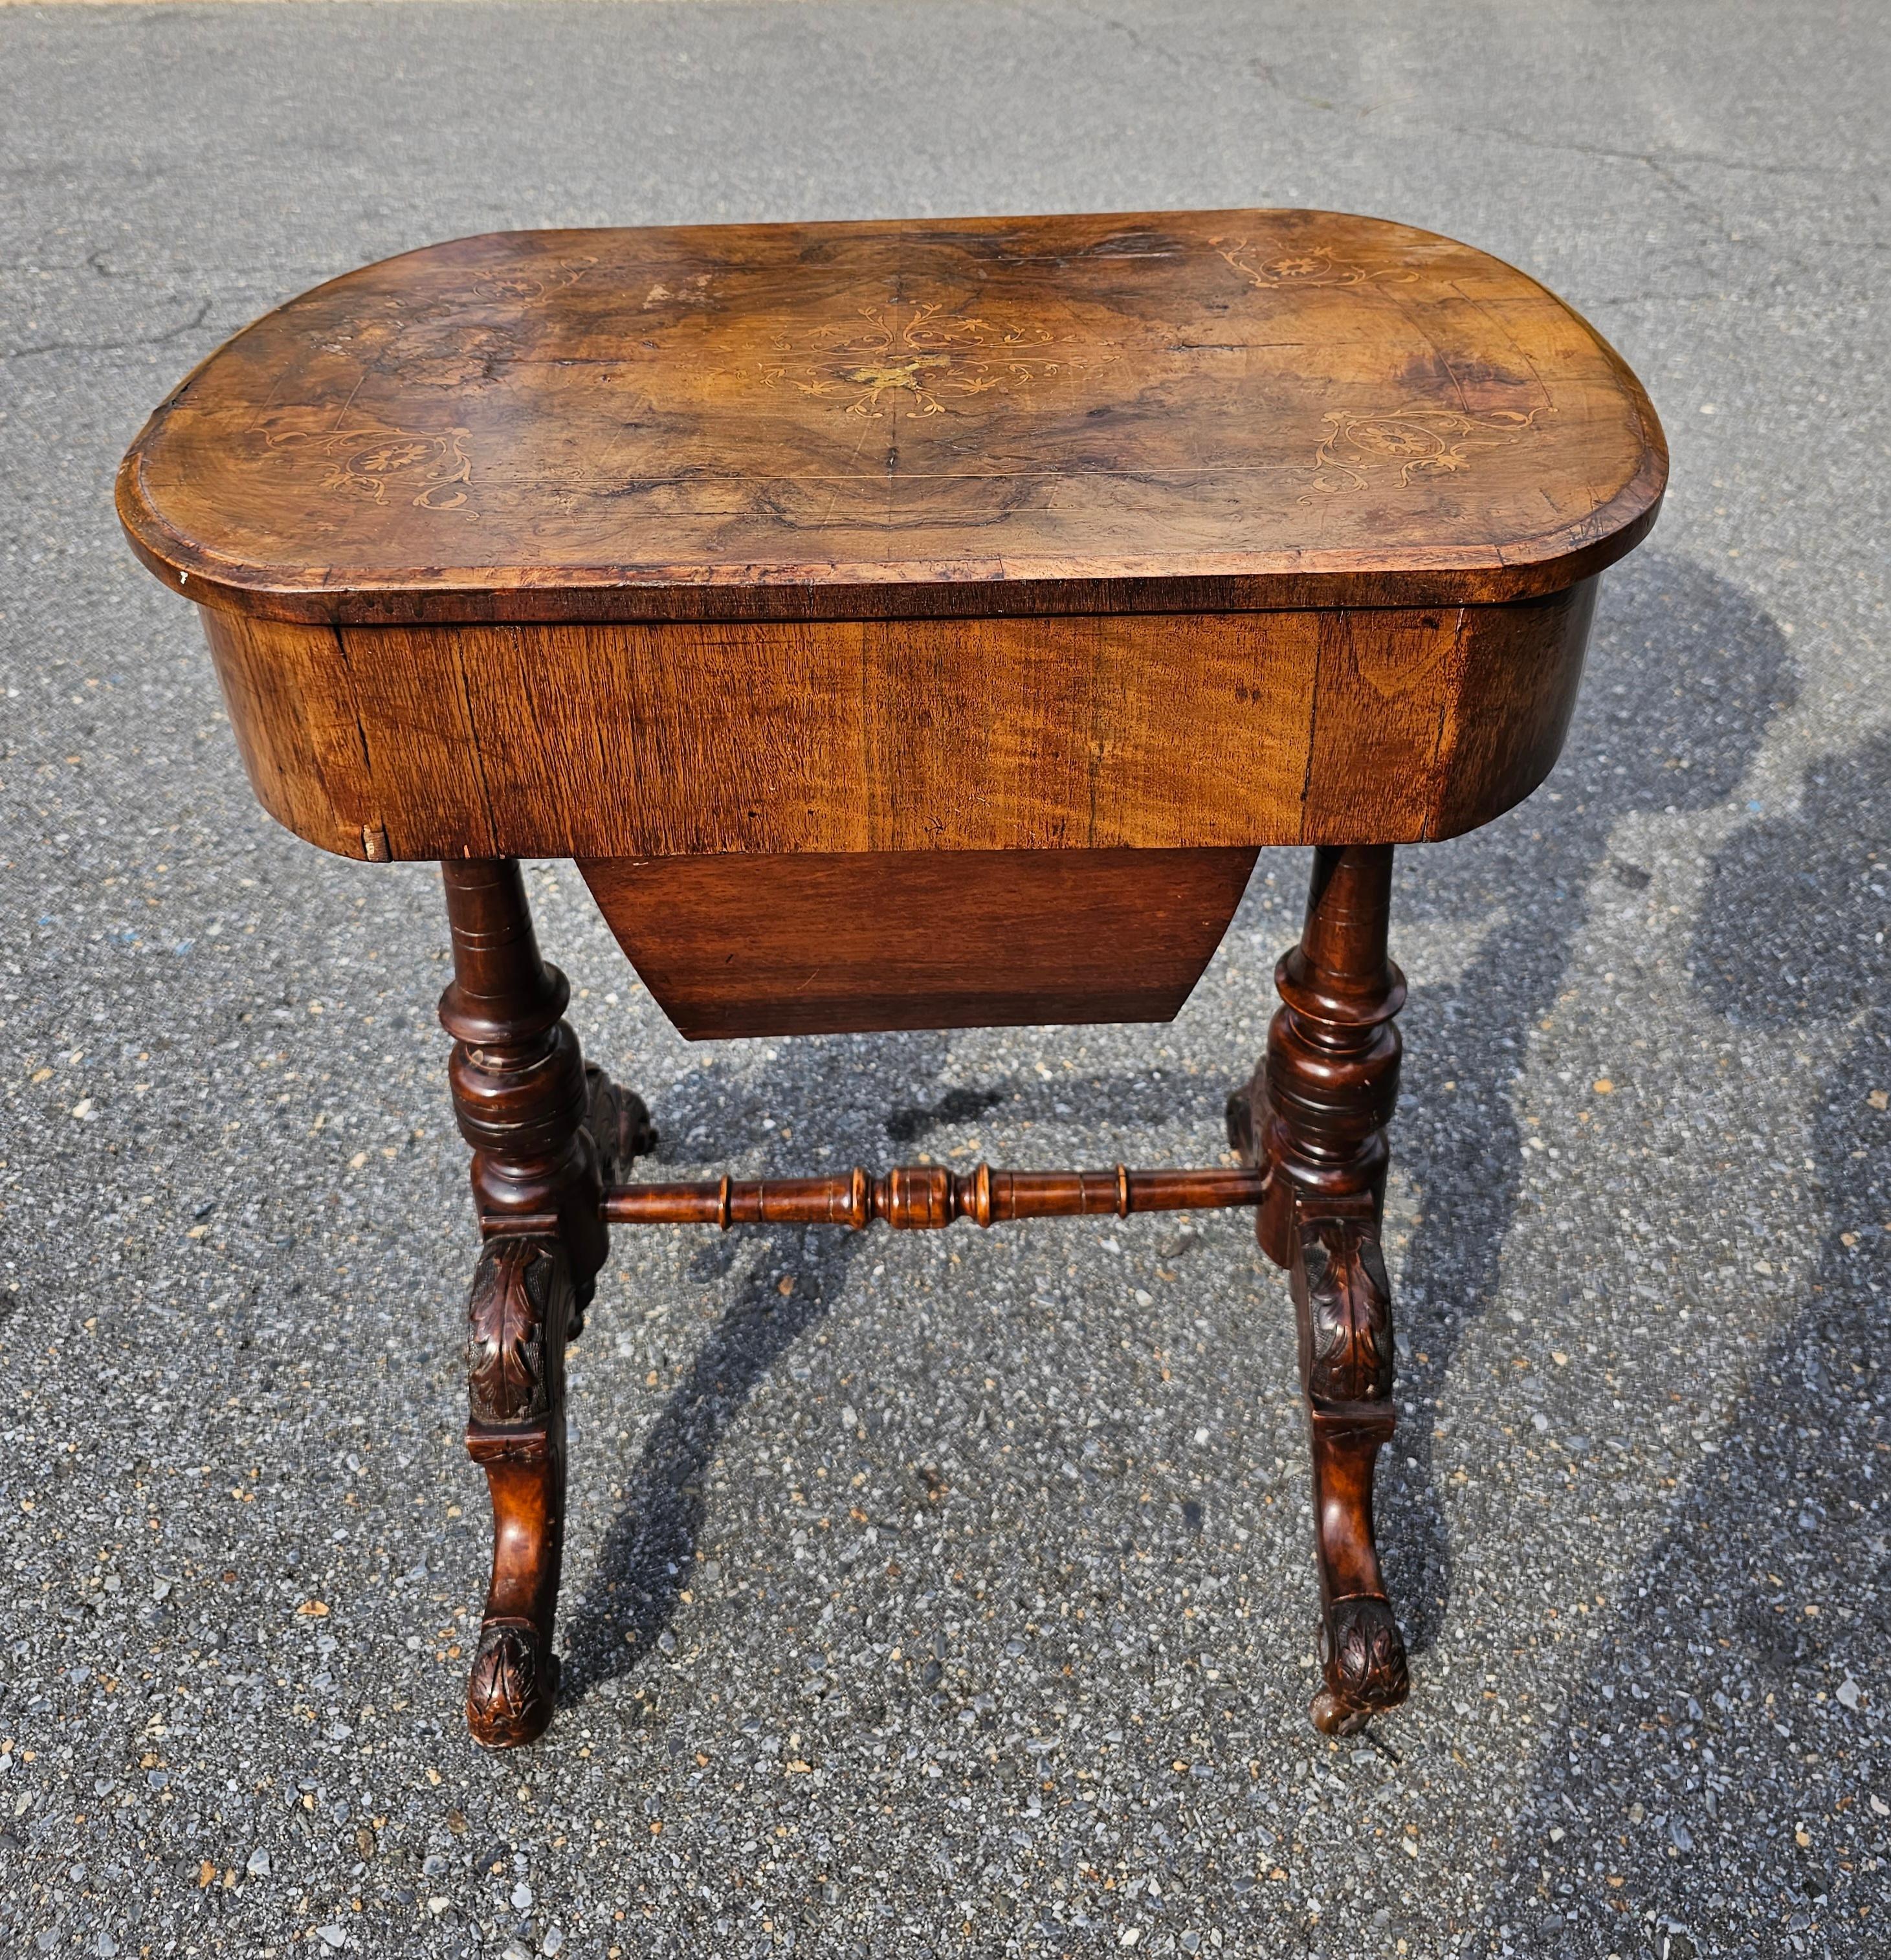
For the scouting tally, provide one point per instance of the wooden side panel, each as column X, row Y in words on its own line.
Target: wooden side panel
column 1145, row 732
column 1152, row 733
column 286, row 688
column 638, row 738
column 827, row 943
column 432, row 744
column 1386, row 682
column 1510, row 711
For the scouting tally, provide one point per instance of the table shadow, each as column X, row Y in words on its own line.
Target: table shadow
column 1682, row 666
column 1722, row 1699
column 1670, row 637
column 649, row 1548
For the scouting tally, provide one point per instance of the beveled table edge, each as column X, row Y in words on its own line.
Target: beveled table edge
column 992, row 589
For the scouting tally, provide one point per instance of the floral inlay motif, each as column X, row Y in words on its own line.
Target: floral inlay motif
column 922, row 353
column 1421, row 439
column 432, row 472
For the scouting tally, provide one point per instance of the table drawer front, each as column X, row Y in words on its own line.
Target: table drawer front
column 1150, row 732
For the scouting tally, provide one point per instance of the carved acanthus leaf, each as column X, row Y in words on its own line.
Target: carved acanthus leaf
column 619, row 1125
column 1364, row 1653
column 1348, row 1311
column 505, row 1689
column 520, row 1289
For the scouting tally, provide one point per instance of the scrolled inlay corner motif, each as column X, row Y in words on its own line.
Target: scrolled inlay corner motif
column 431, row 471
column 1415, row 441
column 524, row 286
column 519, row 1295
column 447, row 345
column 1267, row 268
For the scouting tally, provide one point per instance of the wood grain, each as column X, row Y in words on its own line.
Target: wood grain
column 906, row 626
column 820, row 942
column 1161, row 410
column 1149, row 731
column 1315, row 1117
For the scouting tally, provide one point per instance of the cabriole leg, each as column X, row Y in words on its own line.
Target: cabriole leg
column 517, row 1321
column 547, row 1133
column 1315, row 1116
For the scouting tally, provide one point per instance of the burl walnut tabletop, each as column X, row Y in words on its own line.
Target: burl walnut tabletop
column 905, row 625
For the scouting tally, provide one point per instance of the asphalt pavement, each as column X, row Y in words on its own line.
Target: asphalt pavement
column 953, row 1595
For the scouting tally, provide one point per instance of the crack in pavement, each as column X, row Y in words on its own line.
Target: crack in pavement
column 110, row 346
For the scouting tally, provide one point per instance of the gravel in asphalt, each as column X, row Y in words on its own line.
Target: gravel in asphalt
column 944, row 1595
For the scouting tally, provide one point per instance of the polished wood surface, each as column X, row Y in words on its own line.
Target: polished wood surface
column 927, row 1197
column 914, row 1198
column 906, row 626
column 1314, row 1117
column 1392, row 724
column 1150, row 532
column 823, row 943
column 548, row 1135
column 1168, row 411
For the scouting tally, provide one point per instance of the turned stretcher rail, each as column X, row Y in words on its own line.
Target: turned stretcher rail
column 915, row 1198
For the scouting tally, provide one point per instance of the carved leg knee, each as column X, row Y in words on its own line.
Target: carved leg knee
column 621, row 1131
column 518, row 1316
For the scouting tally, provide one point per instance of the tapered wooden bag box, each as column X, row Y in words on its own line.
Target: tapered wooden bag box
column 923, row 625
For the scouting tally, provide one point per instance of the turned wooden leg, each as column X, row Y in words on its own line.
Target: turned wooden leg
column 547, row 1133
column 1314, row 1116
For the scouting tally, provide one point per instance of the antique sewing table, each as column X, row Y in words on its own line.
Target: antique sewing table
column 906, row 626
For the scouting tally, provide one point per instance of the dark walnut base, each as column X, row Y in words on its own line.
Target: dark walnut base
column 549, row 1135
column 552, row 1139
column 1314, row 1118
